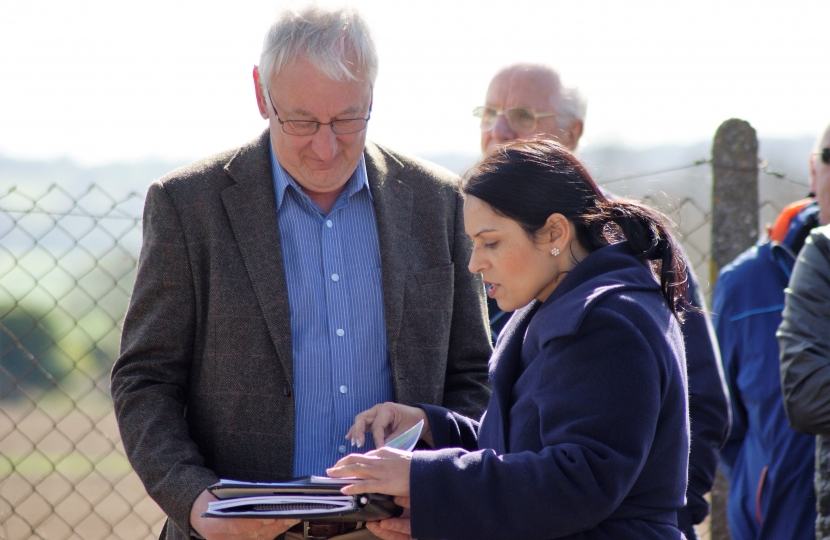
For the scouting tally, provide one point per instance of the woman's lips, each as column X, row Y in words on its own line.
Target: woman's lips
column 491, row 290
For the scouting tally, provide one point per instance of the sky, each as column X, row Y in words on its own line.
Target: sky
column 121, row 80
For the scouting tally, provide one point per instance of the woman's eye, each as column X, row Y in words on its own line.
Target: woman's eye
column 490, row 245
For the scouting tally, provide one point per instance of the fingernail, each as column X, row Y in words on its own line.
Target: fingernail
column 353, row 443
column 267, row 521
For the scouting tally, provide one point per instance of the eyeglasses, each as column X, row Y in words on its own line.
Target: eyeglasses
column 825, row 155
column 343, row 126
column 520, row 119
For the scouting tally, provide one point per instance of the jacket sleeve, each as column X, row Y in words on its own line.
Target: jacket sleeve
column 708, row 405
column 450, row 429
column 150, row 378
column 731, row 356
column 465, row 387
column 587, row 463
column 804, row 339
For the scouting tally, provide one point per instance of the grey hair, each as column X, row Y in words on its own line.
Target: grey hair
column 568, row 102
column 326, row 37
column 572, row 105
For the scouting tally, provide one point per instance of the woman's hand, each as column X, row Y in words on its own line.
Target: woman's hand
column 393, row 528
column 385, row 470
column 386, row 421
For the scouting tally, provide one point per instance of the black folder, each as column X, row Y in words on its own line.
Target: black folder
column 310, row 498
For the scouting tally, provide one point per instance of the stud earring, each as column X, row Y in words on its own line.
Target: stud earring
column 554, row 252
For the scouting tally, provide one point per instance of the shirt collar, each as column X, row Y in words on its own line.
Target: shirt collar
column 357, row 181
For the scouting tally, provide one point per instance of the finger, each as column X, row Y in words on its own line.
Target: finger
column 383, row 424
column 386, row 534
column 276, row 527
column 352, row 460
column 402, row 501
column 361, row 421
column 401, row 525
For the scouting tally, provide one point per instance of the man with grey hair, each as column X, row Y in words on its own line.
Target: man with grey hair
column 289, row 284
column 526, row 100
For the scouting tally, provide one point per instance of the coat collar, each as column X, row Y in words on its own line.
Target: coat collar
column 609, row 269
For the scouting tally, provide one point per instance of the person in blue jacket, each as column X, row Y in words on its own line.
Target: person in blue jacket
column 769, row 465
column 586, row 434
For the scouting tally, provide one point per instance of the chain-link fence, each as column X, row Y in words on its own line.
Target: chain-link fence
column 67, row 265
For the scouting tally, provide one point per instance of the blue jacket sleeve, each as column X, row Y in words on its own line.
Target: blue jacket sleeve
column 730, row 350
column 450, row 429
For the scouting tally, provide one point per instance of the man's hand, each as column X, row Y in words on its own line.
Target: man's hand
column 386, row 421
column 234, row 528
column 393, row 528
column 385, row 470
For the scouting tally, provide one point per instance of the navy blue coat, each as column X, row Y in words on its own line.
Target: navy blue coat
column 708, row 402
column 586, row 434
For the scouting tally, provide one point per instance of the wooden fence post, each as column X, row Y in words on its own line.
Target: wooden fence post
column 734, row 229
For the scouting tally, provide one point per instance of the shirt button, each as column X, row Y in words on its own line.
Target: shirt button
column 335, row 277
column 329, row 224
column 342, row 448
column 344, row 389
column 340, row 332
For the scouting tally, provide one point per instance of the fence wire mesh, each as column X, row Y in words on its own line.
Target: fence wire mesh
column 67, row 266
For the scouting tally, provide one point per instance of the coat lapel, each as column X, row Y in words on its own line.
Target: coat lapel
column 252, row 211
column 393, row 212
column 503, row 368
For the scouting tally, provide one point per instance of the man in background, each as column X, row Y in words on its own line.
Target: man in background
column 770, row 465
column 289, row 284
column 804, row 336
column 526, row 100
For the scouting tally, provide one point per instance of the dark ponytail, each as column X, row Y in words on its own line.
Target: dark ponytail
column 527, row 181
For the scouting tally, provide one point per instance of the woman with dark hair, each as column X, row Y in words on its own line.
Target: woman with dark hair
column 586, row 433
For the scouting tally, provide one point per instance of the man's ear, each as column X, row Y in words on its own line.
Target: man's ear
column 261, row 102
column 574, row 133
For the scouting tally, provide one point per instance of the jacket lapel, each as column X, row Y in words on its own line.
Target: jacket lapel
column 393, row 212
column 252, row 211
column 504, row 365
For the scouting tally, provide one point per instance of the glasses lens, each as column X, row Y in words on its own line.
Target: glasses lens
column 348, row 125
column 488, row 117
column 300, row 127
column 825, row 156
column 521, row 120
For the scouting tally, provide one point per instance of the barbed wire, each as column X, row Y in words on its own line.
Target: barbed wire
column 697, row 163
column 763, row 166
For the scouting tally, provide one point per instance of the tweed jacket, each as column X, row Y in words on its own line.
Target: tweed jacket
column 203, row 386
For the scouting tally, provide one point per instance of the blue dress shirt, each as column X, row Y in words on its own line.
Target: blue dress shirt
column 338, row 331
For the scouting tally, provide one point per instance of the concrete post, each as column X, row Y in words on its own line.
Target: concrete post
column 734, row 229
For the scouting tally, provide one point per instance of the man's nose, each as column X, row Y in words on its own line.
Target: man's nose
column 502, row 131
column 324, row 143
